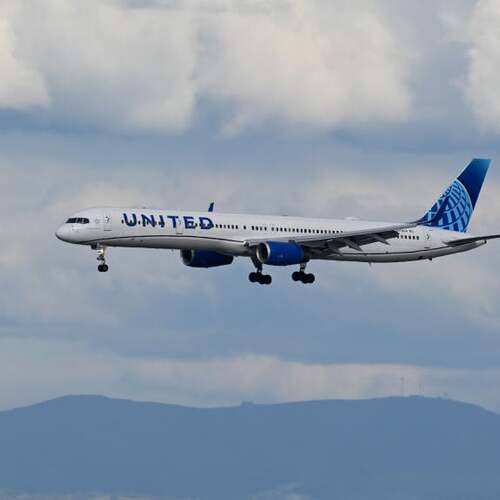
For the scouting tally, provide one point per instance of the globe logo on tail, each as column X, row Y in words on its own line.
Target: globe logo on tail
column 457, row 213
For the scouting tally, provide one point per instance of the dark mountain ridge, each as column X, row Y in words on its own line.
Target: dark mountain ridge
column 391, row 448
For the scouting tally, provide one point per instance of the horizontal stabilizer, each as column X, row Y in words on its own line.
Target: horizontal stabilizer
column 472, row 239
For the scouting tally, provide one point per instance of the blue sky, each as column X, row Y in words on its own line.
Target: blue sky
column 322, row 108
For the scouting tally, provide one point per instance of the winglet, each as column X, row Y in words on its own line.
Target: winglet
column 211, row 206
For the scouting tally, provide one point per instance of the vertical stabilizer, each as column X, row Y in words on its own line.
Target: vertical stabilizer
column 453, row 210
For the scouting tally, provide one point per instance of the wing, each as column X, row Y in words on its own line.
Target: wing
column 471, row 239
column 334, row 242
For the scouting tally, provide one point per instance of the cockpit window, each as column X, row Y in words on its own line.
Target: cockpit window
column 77, row 220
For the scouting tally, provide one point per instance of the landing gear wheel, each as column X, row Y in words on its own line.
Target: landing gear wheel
column 101, row 258
column 266, row 279
column 102, row 268
column 303, row 277
column 308, row 279
column 258, row 277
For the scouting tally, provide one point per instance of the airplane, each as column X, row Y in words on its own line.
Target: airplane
column 211, row 239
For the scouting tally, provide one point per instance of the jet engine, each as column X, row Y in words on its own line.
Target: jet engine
column 277, row 253
column 205, row 258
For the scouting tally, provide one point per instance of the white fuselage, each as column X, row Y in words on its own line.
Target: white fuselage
column 227, row 233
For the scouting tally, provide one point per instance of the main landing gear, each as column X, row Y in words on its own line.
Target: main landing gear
column 257, row 276
column 306, row 278
column 101, row 259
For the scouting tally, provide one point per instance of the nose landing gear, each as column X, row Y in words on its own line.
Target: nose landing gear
column 101, row 259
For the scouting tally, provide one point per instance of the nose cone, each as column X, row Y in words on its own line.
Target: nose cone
column 63, row 232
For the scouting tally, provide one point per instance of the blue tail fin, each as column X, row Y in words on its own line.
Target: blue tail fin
column 453, row 210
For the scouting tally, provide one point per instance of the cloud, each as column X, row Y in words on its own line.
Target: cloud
column 54, row 288
column 38, row 269
column 145, row 68
column 37, row 365
column 308, row 63
column 477, row 29
column 21, row 86
column 157, row 330
column 110, row 67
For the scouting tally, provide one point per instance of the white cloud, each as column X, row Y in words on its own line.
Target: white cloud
column 110, row 66
column 309, row 63
column 40, row 271
column 36, row 365
column 21, row 86
column 479, row 31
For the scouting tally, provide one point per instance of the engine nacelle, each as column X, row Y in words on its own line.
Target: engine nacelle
column 277, row 253
column 205, row 258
